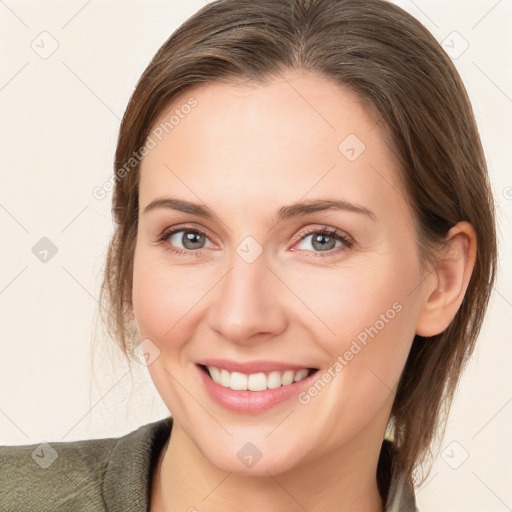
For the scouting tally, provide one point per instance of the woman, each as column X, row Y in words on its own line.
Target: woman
column 304, row 252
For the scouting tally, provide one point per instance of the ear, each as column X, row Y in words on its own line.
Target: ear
column 446, row 286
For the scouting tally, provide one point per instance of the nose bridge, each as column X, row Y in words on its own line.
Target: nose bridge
column 247, row 299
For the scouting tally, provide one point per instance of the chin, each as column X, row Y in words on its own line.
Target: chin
column 252, row 459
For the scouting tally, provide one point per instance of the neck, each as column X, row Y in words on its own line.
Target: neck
column 343, row 480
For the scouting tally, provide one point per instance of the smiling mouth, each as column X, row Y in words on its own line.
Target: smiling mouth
column 260, row 381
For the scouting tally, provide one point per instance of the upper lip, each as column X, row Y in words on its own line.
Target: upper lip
column 251, row 367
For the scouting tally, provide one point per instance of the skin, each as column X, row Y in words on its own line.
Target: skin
column 245, row 151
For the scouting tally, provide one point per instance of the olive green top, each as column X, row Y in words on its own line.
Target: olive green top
column 115, row 474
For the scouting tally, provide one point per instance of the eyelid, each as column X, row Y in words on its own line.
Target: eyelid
column 165, row 233
column 320, row 228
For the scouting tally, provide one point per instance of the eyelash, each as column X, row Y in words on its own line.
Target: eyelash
column 345, row 239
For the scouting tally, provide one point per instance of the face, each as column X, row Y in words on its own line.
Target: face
column 229, row 275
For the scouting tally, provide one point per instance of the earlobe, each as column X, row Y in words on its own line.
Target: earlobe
column 446, row 288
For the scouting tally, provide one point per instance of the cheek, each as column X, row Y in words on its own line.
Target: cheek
column 166, row 303
column 370, row 316
column 346, row 302
column 163, row 299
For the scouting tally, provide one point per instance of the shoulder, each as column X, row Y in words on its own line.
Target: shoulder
column 45, row 475
column 80, row 475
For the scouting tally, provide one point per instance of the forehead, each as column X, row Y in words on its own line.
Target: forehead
column 295, row 136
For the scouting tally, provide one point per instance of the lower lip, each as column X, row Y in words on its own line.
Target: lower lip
column 251, row 401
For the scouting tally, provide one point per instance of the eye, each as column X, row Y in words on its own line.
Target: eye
column 184, row 240
column 324, row 239
column 189, row 240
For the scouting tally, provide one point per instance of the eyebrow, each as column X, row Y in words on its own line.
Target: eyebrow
column 285, row 212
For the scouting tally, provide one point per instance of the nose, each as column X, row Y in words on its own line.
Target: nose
column 249, row 303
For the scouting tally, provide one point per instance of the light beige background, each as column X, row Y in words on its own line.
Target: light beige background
column 60, row 116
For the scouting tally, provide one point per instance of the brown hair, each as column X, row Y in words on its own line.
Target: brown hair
column 393, row 63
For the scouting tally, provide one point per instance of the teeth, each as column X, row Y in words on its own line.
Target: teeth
column 256, row 381
column 274, row 380
column 225, row 378
column 238, row 381
column 287, row 378
column 301, row 374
